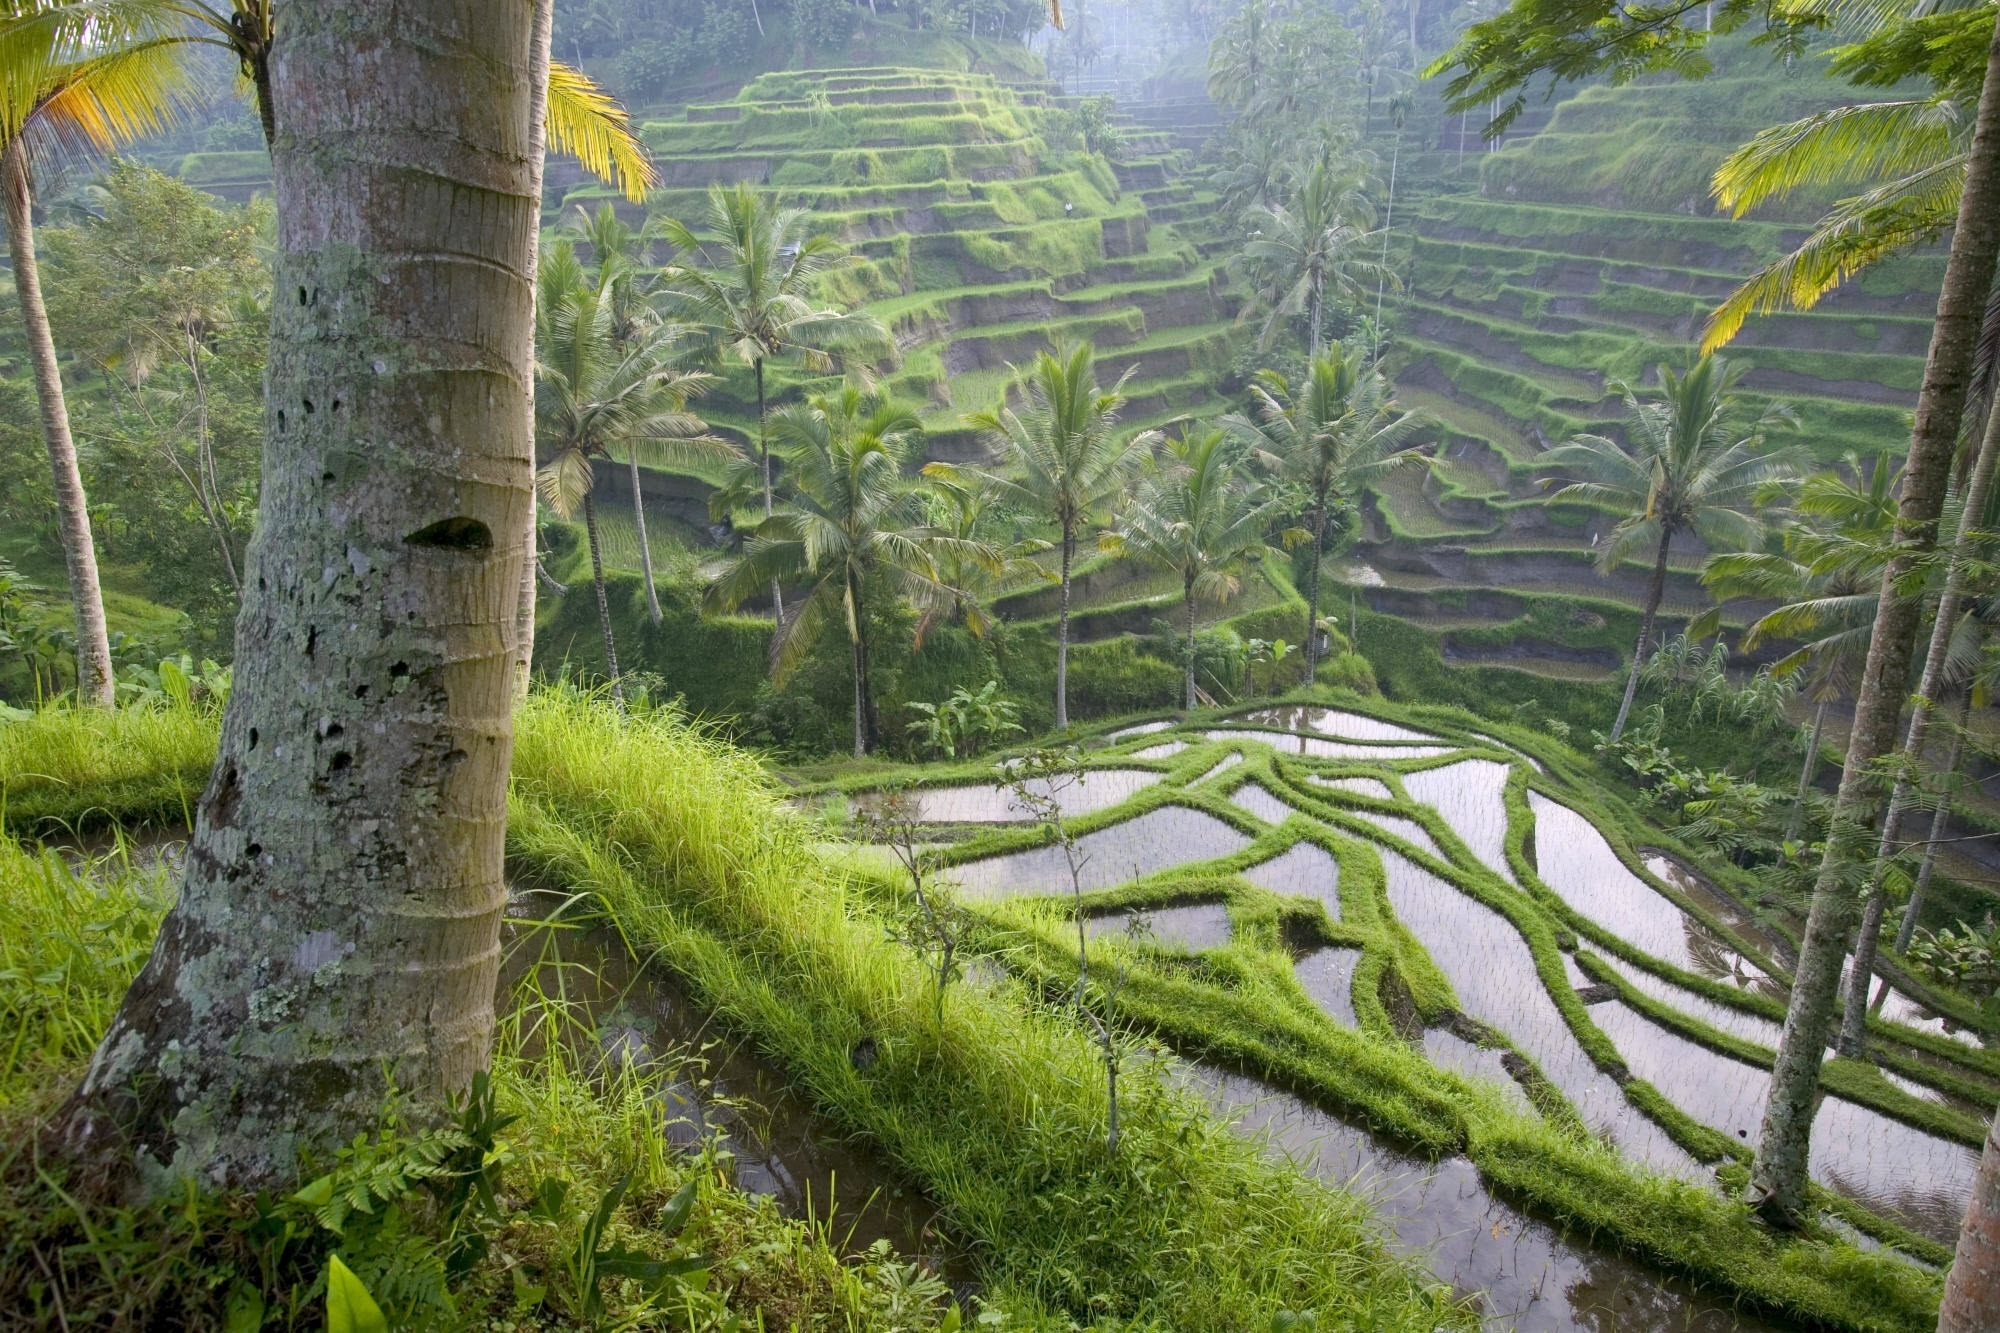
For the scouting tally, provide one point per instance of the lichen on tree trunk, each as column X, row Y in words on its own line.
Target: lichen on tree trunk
column 338, row 924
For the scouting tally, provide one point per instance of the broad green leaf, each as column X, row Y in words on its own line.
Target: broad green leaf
column 349, row 1307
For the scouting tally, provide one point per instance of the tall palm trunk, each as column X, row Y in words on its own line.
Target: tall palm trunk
column 860, row 688
column 1656, row 590
column 1806, row 771
column 338, row 926
column 1915, row 910
column 538, row 107
column 93, row 646
column 645, row 548
column 1978, row 491
column 1778, row 1176
column 603, row 601
column 1062, row 628
column 1972, row 1291
column 1187, row 593
column 764, row 454
column 1312, row 595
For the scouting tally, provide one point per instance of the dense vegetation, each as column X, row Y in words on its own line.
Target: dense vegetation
column 920, row 381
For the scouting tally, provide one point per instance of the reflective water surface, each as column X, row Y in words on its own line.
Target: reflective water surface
column 1286, row 743
column 1305, row 870
column 1374, row 787
column 1328, row 977
column 1194, row 927
column 1471, row 797
column 987, row 803
column 1522, row 1272
column 1259, row 802
column 1333, row 722
column 1169, row 836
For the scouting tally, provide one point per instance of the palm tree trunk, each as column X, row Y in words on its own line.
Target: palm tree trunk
column 603, row 601
column 1312, row 596
column 209, row 490
column 1062, row 631
column 860, row 722
column 1316, row 311
column 1915, row 910
column 338, row 926
column 1655, row 591
column 1778, row 1176
column 645, row 549
column 1806, row 771
column 1978, row 491
column 539, row 34
column 764, row 454
column 1972, row 1291
column 1187, row 593
column 93, row 646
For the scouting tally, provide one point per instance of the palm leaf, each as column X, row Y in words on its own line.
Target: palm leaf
column 588, row 123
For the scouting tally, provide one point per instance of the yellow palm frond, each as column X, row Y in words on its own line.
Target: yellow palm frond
column 586, row 122
column 119, row 96
column 1846, row 145
column 1855, row 234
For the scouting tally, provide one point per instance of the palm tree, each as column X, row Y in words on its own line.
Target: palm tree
column 1778, row 1174
column 1065, row 460
column 358, row 799
column 853, row 523
column 967, row 508
column 1825, row 582
column 1197, row 513
column 1307, row 251
column 1689, row 468
column 1333, row 435
column 627, row 289
column 1938, row 664
column 1241, row 55
column 597, row 395
column 64, row 90
column 755, row 301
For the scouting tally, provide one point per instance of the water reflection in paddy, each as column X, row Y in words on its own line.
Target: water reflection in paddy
column 1920, row 1179
column 1286, row 743
column 1160, row 751
column 1725, row 1018
column 1574, row 860
column 1228, row 761
column 1328, row 977
column 1303, row 870
column 1491, row 968
column 1334, row 723
column 1523, row 1273
column 1372, row 787
column 1470, row 796
column 988, row 803
column 1260, row 803
column 1143, row 729
column 1169, row 836
column 1448, row 1050
column 1409, row 830
column 1194, row 928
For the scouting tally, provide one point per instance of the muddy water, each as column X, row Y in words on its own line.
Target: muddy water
column 1372, row 787
column 1314, row 747
column 1522, row 1272
column 989, row 803
column 1574, row 860
column 1304, row 870
column 1261, row 803
column 1192, row 928
column 1471, row 797
column 1328, row 977
column 1409, row 830
column 1493, row 972
column 623, row 1011
column 1169, row 836
column 1918, row 1178
column 1333, row 722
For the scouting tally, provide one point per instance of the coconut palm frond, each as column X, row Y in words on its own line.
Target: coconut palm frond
column 588, row 123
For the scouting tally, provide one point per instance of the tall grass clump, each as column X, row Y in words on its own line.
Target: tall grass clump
column 73, row 934
column 999, row 1112
column 78, row 768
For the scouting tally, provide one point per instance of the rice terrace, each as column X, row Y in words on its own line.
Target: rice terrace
column 1243, row 666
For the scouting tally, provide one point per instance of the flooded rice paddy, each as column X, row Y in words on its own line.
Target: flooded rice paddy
column 992, row 803
column 1511, row 1033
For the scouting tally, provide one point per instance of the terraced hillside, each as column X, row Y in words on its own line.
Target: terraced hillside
column 976, row 240
column 1579, row 254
